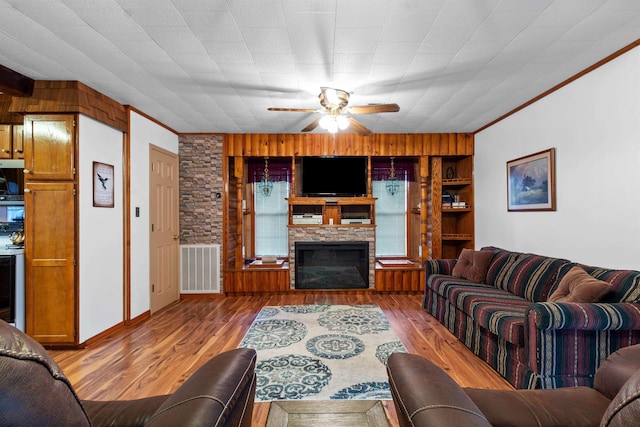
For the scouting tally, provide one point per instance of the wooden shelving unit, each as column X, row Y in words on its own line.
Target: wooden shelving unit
column 453, row 226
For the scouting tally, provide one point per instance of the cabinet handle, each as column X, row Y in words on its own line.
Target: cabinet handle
column 17, row 151
column 26, row 190
column 26, row 171
column 5, row 151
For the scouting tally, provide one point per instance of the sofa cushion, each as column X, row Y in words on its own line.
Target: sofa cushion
column 529, row 276
column 625, row 284
column 496, row 310
column 578, row 286
column 472, row 265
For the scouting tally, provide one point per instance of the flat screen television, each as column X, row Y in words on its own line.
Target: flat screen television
column 334, row 176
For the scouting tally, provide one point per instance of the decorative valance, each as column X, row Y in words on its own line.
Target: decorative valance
column 381, row 168
column 279, row 169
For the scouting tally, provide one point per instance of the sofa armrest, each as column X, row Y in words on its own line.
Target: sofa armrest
column 132, row 413
column 439, row 266
column 584, row 316
column 565, row 343
column 424, row 395
column 220, row 393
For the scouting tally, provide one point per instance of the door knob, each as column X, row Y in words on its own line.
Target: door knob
column 176, row 236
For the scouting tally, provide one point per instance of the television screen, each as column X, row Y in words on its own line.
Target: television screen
column 334, row 176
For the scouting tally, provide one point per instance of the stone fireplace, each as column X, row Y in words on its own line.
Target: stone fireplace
column 347, row 235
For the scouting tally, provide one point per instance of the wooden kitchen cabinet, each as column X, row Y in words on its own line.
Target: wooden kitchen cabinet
column 17, row 143
column 50, row 258
column 49, row 146
column 51, row 284
column 11, row 141
column 5, row 141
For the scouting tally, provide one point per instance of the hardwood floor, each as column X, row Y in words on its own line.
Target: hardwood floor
column 158, row 355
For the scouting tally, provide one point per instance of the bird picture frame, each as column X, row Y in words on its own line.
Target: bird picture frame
column 102, row 185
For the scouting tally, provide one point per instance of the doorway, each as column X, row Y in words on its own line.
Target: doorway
column 164, row 232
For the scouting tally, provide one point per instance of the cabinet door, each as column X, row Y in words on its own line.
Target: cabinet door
column 49, row 258
column 18, row 142
column 5, row 141
column 49, row 147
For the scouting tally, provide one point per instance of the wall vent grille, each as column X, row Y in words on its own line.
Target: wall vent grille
column 199, row 269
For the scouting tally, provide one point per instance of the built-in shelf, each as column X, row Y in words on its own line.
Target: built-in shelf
column 456, row 210
column 457, row 237
column 331, row 211
column 457, row 182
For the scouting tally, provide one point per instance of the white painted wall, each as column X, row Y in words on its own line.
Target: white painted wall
column 594, row 124
column 101, row 232
column 143, row 133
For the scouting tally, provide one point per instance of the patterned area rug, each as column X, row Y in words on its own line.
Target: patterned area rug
column 322, row 352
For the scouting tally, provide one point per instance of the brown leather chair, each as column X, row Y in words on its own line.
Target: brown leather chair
column 35, row 392
column 424, row 395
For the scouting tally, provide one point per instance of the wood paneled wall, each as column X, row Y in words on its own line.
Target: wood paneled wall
column 275, row 145
column 425, row 147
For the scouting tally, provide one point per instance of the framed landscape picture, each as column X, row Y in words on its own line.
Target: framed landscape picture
column 531, row 182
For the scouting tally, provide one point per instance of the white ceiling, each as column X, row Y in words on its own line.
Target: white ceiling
column 217, row 65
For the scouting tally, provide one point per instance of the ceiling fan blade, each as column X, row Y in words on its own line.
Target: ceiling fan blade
column 358, row 127
column 311, row 126
column 374, row 108
column 295, row 110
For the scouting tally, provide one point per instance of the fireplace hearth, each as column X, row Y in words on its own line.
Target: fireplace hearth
column 331, row 265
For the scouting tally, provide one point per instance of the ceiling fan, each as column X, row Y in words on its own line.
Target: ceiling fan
column 334, row 102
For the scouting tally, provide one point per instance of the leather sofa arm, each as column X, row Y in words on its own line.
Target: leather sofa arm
column 424, row 395
column 109, row 413
column 584, row 316
column 439, row 266
column 616, row 370
column 220, row 393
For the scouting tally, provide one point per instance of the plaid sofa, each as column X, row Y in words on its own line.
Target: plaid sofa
column 533, row 343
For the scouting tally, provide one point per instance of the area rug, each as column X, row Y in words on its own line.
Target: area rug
column 322, row 352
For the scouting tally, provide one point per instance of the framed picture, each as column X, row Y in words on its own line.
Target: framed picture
column 102, row 185
column 531, row 184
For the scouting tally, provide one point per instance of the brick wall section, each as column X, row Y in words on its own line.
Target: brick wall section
column 332, row 234
column 200, row 180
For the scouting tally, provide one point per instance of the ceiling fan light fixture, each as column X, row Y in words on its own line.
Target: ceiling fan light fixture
column 325, row 122
column 333, row 99
column 332, row 96
column 342, row 122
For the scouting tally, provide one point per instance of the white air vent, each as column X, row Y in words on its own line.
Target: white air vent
column 199, row 269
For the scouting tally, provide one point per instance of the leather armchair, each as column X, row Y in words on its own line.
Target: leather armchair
column 424, row 395
column 35, row 392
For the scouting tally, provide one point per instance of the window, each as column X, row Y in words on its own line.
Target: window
column 391, row 219
column 271, row 216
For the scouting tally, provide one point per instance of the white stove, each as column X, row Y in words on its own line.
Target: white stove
column 12, row 277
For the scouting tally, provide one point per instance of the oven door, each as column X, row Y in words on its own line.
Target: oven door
column 8, row 288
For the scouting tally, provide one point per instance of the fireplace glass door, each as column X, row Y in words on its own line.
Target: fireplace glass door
column 331, row 265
